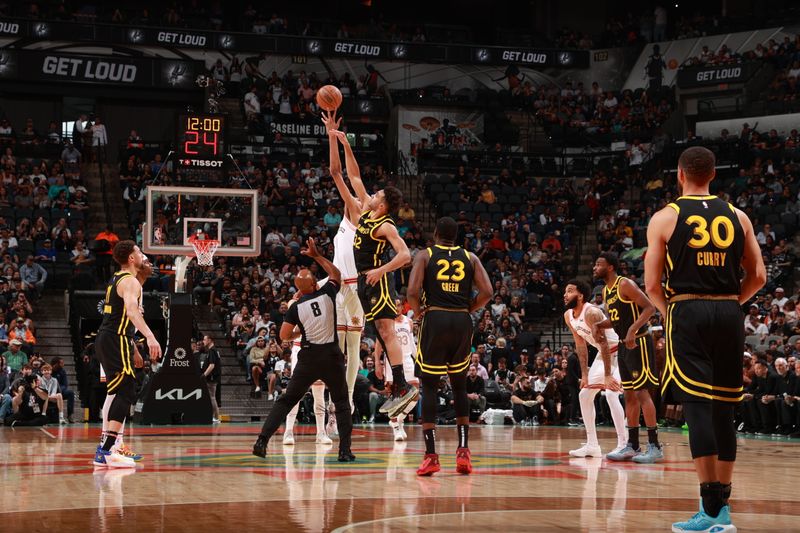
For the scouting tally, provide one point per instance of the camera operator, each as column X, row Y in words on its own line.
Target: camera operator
column 29, row 403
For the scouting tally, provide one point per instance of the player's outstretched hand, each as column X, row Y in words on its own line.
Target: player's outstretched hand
column 330, row 121
column 311, row 249
column 154, row 348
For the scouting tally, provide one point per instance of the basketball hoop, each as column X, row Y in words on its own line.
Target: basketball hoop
column 204, row 250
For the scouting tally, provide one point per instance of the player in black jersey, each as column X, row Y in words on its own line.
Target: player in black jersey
column 701, row 242
column 440, row 291
column 629, row 311
column 114, row 346
column 376, row 231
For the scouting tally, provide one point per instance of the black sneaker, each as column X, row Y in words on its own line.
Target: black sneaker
column 260, row 447
column 346, row 456
column 400, row 399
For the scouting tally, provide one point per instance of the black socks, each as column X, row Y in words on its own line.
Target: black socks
column 111, row 439
column 399, row 376
column 712, row 495
column 430, row 440
column 652, row 436
column 463, row 436
column 633, row 437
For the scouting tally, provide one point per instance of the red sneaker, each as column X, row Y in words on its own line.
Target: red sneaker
column 463, row 461
column 430, row 465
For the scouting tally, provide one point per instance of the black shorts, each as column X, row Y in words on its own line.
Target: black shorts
column 115, row 353
column 705, row 342
column 377, row 300
column 445, row 343
column 637, row 366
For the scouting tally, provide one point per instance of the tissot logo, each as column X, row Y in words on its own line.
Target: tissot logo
column 189, row 39
column 9, row 28
column 201, row 163
column 179, row 394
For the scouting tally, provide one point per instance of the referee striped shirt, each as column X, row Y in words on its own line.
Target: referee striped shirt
column 315, row 315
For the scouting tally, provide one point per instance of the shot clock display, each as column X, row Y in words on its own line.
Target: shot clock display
column 201, row 140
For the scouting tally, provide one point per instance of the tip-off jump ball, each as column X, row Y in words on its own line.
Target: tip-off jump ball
column 329, row 97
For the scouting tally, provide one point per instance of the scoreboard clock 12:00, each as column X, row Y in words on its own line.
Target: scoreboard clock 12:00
column 201, row 140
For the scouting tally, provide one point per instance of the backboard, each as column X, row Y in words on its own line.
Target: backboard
column 227, row 215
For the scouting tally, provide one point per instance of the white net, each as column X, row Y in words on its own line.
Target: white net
column 204, row 251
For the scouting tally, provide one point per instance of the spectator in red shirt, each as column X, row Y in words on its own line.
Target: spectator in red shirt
column 551, row 244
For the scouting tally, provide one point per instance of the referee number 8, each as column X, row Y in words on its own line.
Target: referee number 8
column 702, row 236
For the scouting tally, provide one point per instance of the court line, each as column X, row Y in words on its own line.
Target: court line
column 48, row 433
column 350, row 527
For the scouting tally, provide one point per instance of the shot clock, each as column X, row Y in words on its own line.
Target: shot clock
column 201, row 140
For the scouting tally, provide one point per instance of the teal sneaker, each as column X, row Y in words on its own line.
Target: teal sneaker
column 702, row 523
column 653, row 454
column 625, row 454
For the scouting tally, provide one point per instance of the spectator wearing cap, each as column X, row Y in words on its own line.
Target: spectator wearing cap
column 33, row 277
column 16, row 358
column 22, row 334
column 780, row 298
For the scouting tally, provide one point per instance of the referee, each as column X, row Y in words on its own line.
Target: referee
column 313, row 318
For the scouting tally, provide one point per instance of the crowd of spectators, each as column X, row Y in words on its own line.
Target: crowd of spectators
column 595, row 111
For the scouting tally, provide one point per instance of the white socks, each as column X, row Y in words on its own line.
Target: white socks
column 618, row 416
column 586, row 398
column 318, row 391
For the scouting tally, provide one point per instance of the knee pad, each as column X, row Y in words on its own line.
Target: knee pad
column 724, row 430
column 702, row 436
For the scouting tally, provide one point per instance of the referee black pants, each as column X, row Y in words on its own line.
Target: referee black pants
column 325, row 362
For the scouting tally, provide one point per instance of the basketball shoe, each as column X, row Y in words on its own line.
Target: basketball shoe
column 703, row 523
column 625, row 454
column 587, row 450
column 322, row 438
column 463, row 461
column 398, row 431
column 122, row 449
column 400, row 399
column 288, row 438
column 112, row 459
column 430, row 465
column 260, row 447
column 653, row 454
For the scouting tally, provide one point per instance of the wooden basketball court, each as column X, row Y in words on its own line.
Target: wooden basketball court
column 205, row 479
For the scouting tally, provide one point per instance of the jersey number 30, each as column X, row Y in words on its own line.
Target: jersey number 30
column 445, row 265
column 702, row 236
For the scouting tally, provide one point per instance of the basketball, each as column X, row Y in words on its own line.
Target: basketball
column 329, row 97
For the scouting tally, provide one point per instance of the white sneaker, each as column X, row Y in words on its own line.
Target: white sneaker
column 288, row 438
column 399, row 433
column 619, row 448
column 322, row 438
column 215, row 420
column 258, row 389
column 331, row 428
column 62, row 420
column 587, row 450
column 112, row 459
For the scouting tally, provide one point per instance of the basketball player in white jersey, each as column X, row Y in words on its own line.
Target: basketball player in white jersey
column 404, row 327
column 317, row 391
column 138, row 362
column 349, row 313
column 580, row 317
